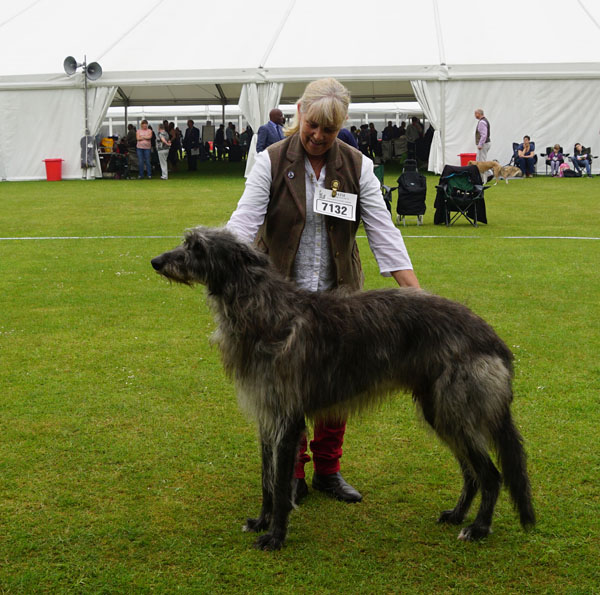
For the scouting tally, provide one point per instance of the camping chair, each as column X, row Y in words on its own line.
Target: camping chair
column 460, row 193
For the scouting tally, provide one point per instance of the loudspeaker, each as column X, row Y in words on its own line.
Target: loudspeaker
column 94, row 71
column 70, row 65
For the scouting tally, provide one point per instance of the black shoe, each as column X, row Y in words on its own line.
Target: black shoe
column 299, row 490
column 335, row 485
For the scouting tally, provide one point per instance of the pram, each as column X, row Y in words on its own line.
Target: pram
column 119, row 166
column 412, row 191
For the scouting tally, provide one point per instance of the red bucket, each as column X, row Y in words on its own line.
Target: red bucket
column 466, row 157
column 53, row 169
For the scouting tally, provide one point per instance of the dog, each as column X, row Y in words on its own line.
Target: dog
column 295, row 354
column 504, row 172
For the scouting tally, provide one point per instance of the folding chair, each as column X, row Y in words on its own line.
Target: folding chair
column 460, row 194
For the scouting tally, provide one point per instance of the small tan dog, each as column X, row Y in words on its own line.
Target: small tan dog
column 504, row 172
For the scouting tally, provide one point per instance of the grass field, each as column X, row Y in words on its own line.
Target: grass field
column 127, row 468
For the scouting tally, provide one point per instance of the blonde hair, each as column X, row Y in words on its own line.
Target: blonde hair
column 324, row 102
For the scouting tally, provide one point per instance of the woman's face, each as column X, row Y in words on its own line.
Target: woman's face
column 316, row 139
column 525, row 141
column 144, row 125
column 578, row 147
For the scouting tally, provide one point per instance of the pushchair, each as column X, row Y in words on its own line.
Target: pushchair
column 119, row 166
column 412, row 191
column 460, row 194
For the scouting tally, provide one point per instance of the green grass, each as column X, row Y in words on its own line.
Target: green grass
column 127, row 467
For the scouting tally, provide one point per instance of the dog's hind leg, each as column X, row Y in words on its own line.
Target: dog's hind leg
column 285, row 449
column 264, row 518
column 469, row 490
column 489, row 480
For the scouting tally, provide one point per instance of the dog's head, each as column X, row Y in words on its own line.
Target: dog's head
column 209, row 256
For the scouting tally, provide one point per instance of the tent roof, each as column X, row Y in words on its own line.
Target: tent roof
column 168, row 52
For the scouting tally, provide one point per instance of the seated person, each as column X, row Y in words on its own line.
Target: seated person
column 526, row 157
column 581, row 158
column 556, row 160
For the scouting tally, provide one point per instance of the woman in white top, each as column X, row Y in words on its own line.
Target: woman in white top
column 321, row 113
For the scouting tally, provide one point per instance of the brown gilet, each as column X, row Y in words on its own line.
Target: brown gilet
column 279, row 235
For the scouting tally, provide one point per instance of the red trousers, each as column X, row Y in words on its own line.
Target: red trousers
column 326, row 448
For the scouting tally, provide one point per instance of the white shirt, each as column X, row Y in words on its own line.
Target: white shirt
column 313, row 266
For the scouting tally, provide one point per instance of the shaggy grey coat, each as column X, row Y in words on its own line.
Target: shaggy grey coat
column 296, row 354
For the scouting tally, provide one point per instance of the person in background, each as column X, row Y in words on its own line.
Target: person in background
column 526, row 157
column 271, row 132
column 482, row 135
column 556, row 160
column 162, row 145
column 191, row 144
column 319, row 252
column 219, row 143
column 345, row 135
column 581, row 159
column 143, row 149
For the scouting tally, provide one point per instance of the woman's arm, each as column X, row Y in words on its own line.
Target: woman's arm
column 252, row 206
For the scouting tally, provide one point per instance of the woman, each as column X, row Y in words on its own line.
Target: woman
column 526, row 157
column 143, row 148
column 282, row 211
column 581, row 159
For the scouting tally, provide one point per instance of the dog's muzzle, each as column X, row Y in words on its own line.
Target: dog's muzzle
column 157, row 263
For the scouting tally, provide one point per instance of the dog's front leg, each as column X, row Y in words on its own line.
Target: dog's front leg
column 264, row 518
column 285, row 450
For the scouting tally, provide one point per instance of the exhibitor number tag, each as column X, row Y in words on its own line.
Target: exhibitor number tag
column 342, row 205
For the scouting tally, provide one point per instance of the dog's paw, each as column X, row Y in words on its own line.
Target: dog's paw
column 269, row 542
column 474, row 532
column 255, row 525
column 451, row 517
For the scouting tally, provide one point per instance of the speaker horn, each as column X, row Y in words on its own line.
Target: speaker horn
column 94, row 71
column 70, row 65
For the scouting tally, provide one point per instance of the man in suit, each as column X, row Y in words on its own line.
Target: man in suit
column 191, row 144
column 272, row 131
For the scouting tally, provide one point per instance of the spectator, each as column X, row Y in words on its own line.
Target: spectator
column 220, row 142
column 581, row 158
column 191, row 144
column 526, row 157
column 271, row 132
column 388, row 132
column 143, row 149
column 162, row 145
column 173, row 157
column 556, row 160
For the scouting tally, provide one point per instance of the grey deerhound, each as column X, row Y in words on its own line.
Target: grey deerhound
column 296, row 354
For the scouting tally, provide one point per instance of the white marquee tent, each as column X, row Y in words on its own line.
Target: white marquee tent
column 534, row 66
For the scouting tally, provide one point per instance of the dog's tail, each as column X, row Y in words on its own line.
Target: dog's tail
column 513, row 462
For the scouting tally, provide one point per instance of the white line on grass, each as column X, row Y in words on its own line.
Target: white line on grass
column 406, row 236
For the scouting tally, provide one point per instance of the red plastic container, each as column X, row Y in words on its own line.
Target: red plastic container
column 53, row 169
column 466, row 157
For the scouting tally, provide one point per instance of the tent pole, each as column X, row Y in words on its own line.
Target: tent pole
column 443, row 117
